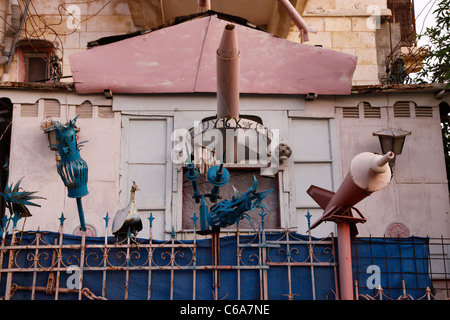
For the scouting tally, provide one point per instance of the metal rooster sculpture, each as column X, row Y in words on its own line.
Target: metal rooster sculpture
column 127, row 222
column 72, row 169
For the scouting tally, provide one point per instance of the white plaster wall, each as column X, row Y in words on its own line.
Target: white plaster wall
column 417, row 195
column 32, row 159
column 185, row 110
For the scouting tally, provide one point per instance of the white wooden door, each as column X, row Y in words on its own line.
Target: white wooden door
column 314, row 147
column 146, row 160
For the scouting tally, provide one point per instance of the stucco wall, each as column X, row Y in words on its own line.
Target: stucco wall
column 32, row 159
column 417, row 196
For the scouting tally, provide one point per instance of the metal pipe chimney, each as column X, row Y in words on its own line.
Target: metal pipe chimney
column 228, row 74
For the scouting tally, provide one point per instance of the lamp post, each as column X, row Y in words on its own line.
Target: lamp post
column 392, row 140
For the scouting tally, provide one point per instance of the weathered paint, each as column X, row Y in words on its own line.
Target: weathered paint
column 228, row 74
column 182, row 58
column 296, row 18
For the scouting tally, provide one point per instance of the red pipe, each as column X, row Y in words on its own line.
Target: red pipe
column 204, row 4
column 296, row 18
column 345, row 261
column 228, row 74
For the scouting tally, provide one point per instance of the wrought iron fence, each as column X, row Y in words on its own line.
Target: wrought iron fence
column 55, row 265
column 261, row 265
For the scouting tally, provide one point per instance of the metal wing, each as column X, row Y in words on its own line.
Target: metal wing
column 119, row 218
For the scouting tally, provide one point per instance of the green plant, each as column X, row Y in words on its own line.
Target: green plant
column 436, row 64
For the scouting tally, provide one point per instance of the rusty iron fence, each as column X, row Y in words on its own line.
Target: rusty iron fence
column 261, row 265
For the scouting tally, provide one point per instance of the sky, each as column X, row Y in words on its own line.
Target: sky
column 423, row 10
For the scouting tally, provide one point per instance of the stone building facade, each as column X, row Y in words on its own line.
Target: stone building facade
column 325, row 130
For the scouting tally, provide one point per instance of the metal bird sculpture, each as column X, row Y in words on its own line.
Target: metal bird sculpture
column 127, row 222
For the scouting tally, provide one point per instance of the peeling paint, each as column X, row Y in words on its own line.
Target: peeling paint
column 188, row 64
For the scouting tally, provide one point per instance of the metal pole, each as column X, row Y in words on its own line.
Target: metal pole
column 60, row 255
column 345, row 261
column 82, row 254
column 239, row 254
column 35, row 265
column 150, row 255
column 194, row 263
column 311, row 258
column 81, row 214
column 10, row 266
column 296, row 19
column 216, row 261
column 17, row 37
column 333, row 245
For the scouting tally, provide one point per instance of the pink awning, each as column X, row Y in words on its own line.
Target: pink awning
column 182, row 58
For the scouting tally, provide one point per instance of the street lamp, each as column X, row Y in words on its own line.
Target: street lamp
column 392, row 140
column 49, row 128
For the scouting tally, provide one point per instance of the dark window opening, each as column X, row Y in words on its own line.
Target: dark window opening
column 444, row 110
column 5, row 142
column 36, row 61
column 36, row 67
column 241, row 179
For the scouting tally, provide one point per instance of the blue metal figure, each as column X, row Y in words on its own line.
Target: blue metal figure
column 17, row 201
column 227, row 212
column 72, row 169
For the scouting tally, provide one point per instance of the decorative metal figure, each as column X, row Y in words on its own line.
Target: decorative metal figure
column 369, row 172
column 127, row 222
column 72, row 169
column 17, row 201
column 226, row 212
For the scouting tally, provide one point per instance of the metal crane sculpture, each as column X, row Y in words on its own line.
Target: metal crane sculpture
column 72, row 169
column 127, row 222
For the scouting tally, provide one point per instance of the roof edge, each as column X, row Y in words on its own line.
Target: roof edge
column 174, row 21
column 364, row 89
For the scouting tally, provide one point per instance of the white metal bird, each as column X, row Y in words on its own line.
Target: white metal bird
column 127, row 221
